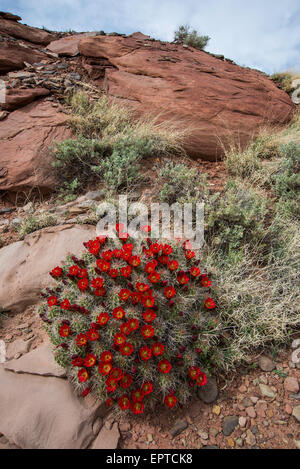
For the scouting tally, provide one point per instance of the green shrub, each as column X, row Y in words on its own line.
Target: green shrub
column 235, row 218
column 185, row 35
column 181, row 184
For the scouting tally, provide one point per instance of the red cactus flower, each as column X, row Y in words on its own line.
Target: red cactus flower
column 147, row 388
column 100, row 291
column 103, row 265
column 103, row 319
column 94, row 246
column 124, row 294
column 164, row 366
column 81, row 340
column 156, row 247
column 195, row 272
column 77, row 361
column 116, row 373
column 141, row 287
column 154, row 277
column 105, row 368
column 147, row 332
column 83, row 284
column 149, row 315
column 126, row 271
column 120, row 339
column 135, row 298
column 170, row 400
column 183, row 279
column 173, row 265
column 113, row 273
column 167, row 249
column 73, row 270
column 64, row 330
column 209, row 303
column 97, row 282
column 163, row 259
column 56, row 272
column 137, row 408
column 205, row 282
column 90, row 360
column 190, row 255
column 128, row 247
column 83, row 375
column 124, row 402
column 125, row 381
column 135, row 261
column 66, row 305
column 118, row 313
column 145, row 353
column 82, row 273
column 52, row 301
column 194, row 372
column 126, row 349
column 125, row 328
column 92, row 335
column 137, row 395
column 107, row 255
column 158, row 349
column 150, row 266
column 109, row 402
column 169, row 292
column 201, row 379
column 106, row 356
column 148, row 300
column 133, row 324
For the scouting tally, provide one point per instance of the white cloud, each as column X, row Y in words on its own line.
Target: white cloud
column 257, row 34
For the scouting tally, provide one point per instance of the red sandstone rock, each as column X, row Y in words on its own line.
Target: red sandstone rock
column 66, row 46
column 13, row 56
column 22, row 31
column 26, row 136
column 216, row 99
column 16, row 98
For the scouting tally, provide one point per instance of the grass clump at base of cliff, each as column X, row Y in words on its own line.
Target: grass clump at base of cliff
column 284, row 81
column 36, row 222
column 109, row 144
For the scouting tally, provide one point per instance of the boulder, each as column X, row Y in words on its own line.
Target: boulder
column 17, row 348
column 25, row 265
column 16, row 98
column 38, row 362
column 66, row 46
column 22, row 31
column 26, row 136
column 216, row 100
column 40, row 412
column 13, row 56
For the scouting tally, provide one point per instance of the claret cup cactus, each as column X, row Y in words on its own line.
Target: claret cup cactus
column 133, row 321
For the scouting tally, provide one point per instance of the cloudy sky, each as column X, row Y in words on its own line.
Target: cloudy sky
column 263, row 34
